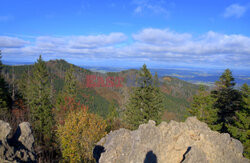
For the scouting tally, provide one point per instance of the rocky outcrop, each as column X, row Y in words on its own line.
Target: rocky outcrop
column 18, row 148
column 174, row 142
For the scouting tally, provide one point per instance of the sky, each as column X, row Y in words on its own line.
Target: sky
column 127, row 33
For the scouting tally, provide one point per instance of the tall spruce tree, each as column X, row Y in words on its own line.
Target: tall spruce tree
column 145, row 103
column 112, row 116
column 23, row 85
column 40, row 103
column 70, row 83
column 156, row 80
column 203, row 108
column 240, row 129
column 69, row 92
column 225, row 109
column 1, row 65
column 69, row 89
column 5, row 99
column 228, row 99
column 245, row 90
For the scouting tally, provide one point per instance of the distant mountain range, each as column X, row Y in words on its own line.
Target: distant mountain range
column 193, row 75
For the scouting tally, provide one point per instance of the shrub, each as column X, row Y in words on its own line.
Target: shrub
column 79, row 133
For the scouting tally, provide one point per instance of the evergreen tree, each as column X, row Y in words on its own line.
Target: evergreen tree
column 68, row 92
column 146, row 101
column 245, row 90
column 5, row 99
column 69, row 89
column 156, row 80
column 40, row 103
column 226, row 80
column 240, row 127
column 225, row 109
column 112, row 116
column 1, row 65
column 228, row 99
column 70, row 83
column 158, row 97
column 112, row 110
column 23, row 85
column 203, row 108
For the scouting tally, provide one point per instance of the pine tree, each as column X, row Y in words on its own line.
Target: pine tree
column 40, row 103
column 156, row 80
column 112, row 117
column 245, row 90
column 158, row 97
column 146, row 101
column 240, row 127
column 5, row 99
column 1, row 64
column 228, row 100
column 69, row 91
column 226, row 80
column 112, row 110
column 70, row 83
column 69, row 88
column 23, row 84
column 203, row 108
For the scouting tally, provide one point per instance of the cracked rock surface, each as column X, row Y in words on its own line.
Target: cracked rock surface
column 173, row 142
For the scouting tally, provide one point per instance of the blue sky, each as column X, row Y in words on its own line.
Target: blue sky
column 162, row 33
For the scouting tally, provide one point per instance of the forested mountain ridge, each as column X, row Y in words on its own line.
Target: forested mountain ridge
column 178, row 93
column 57, row 70
column 58, row 97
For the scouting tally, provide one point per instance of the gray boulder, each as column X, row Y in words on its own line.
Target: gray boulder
column 4, row 130
column 19, row 148
column 174, row 142
column 26, row 137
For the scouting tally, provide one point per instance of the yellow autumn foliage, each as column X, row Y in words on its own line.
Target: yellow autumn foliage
column 79, row 134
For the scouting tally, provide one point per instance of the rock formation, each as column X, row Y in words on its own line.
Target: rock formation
column 19, row 148
column 174, row 142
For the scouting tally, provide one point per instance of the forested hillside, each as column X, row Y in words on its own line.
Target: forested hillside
column 57, row 70
column 70, row 108
column 178, row 93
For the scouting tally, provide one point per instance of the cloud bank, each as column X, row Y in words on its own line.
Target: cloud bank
column 150, row 44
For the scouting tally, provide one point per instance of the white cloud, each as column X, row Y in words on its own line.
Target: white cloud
column 161, row 45
column 158, row 36
column 207, row 44
column 96, row 41
column 150, row 6
column 11, row 42
column 80, row 42
column 234, row 10
column 50, row 42
column 68, row 46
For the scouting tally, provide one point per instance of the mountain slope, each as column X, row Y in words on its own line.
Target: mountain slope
column 178, row 93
